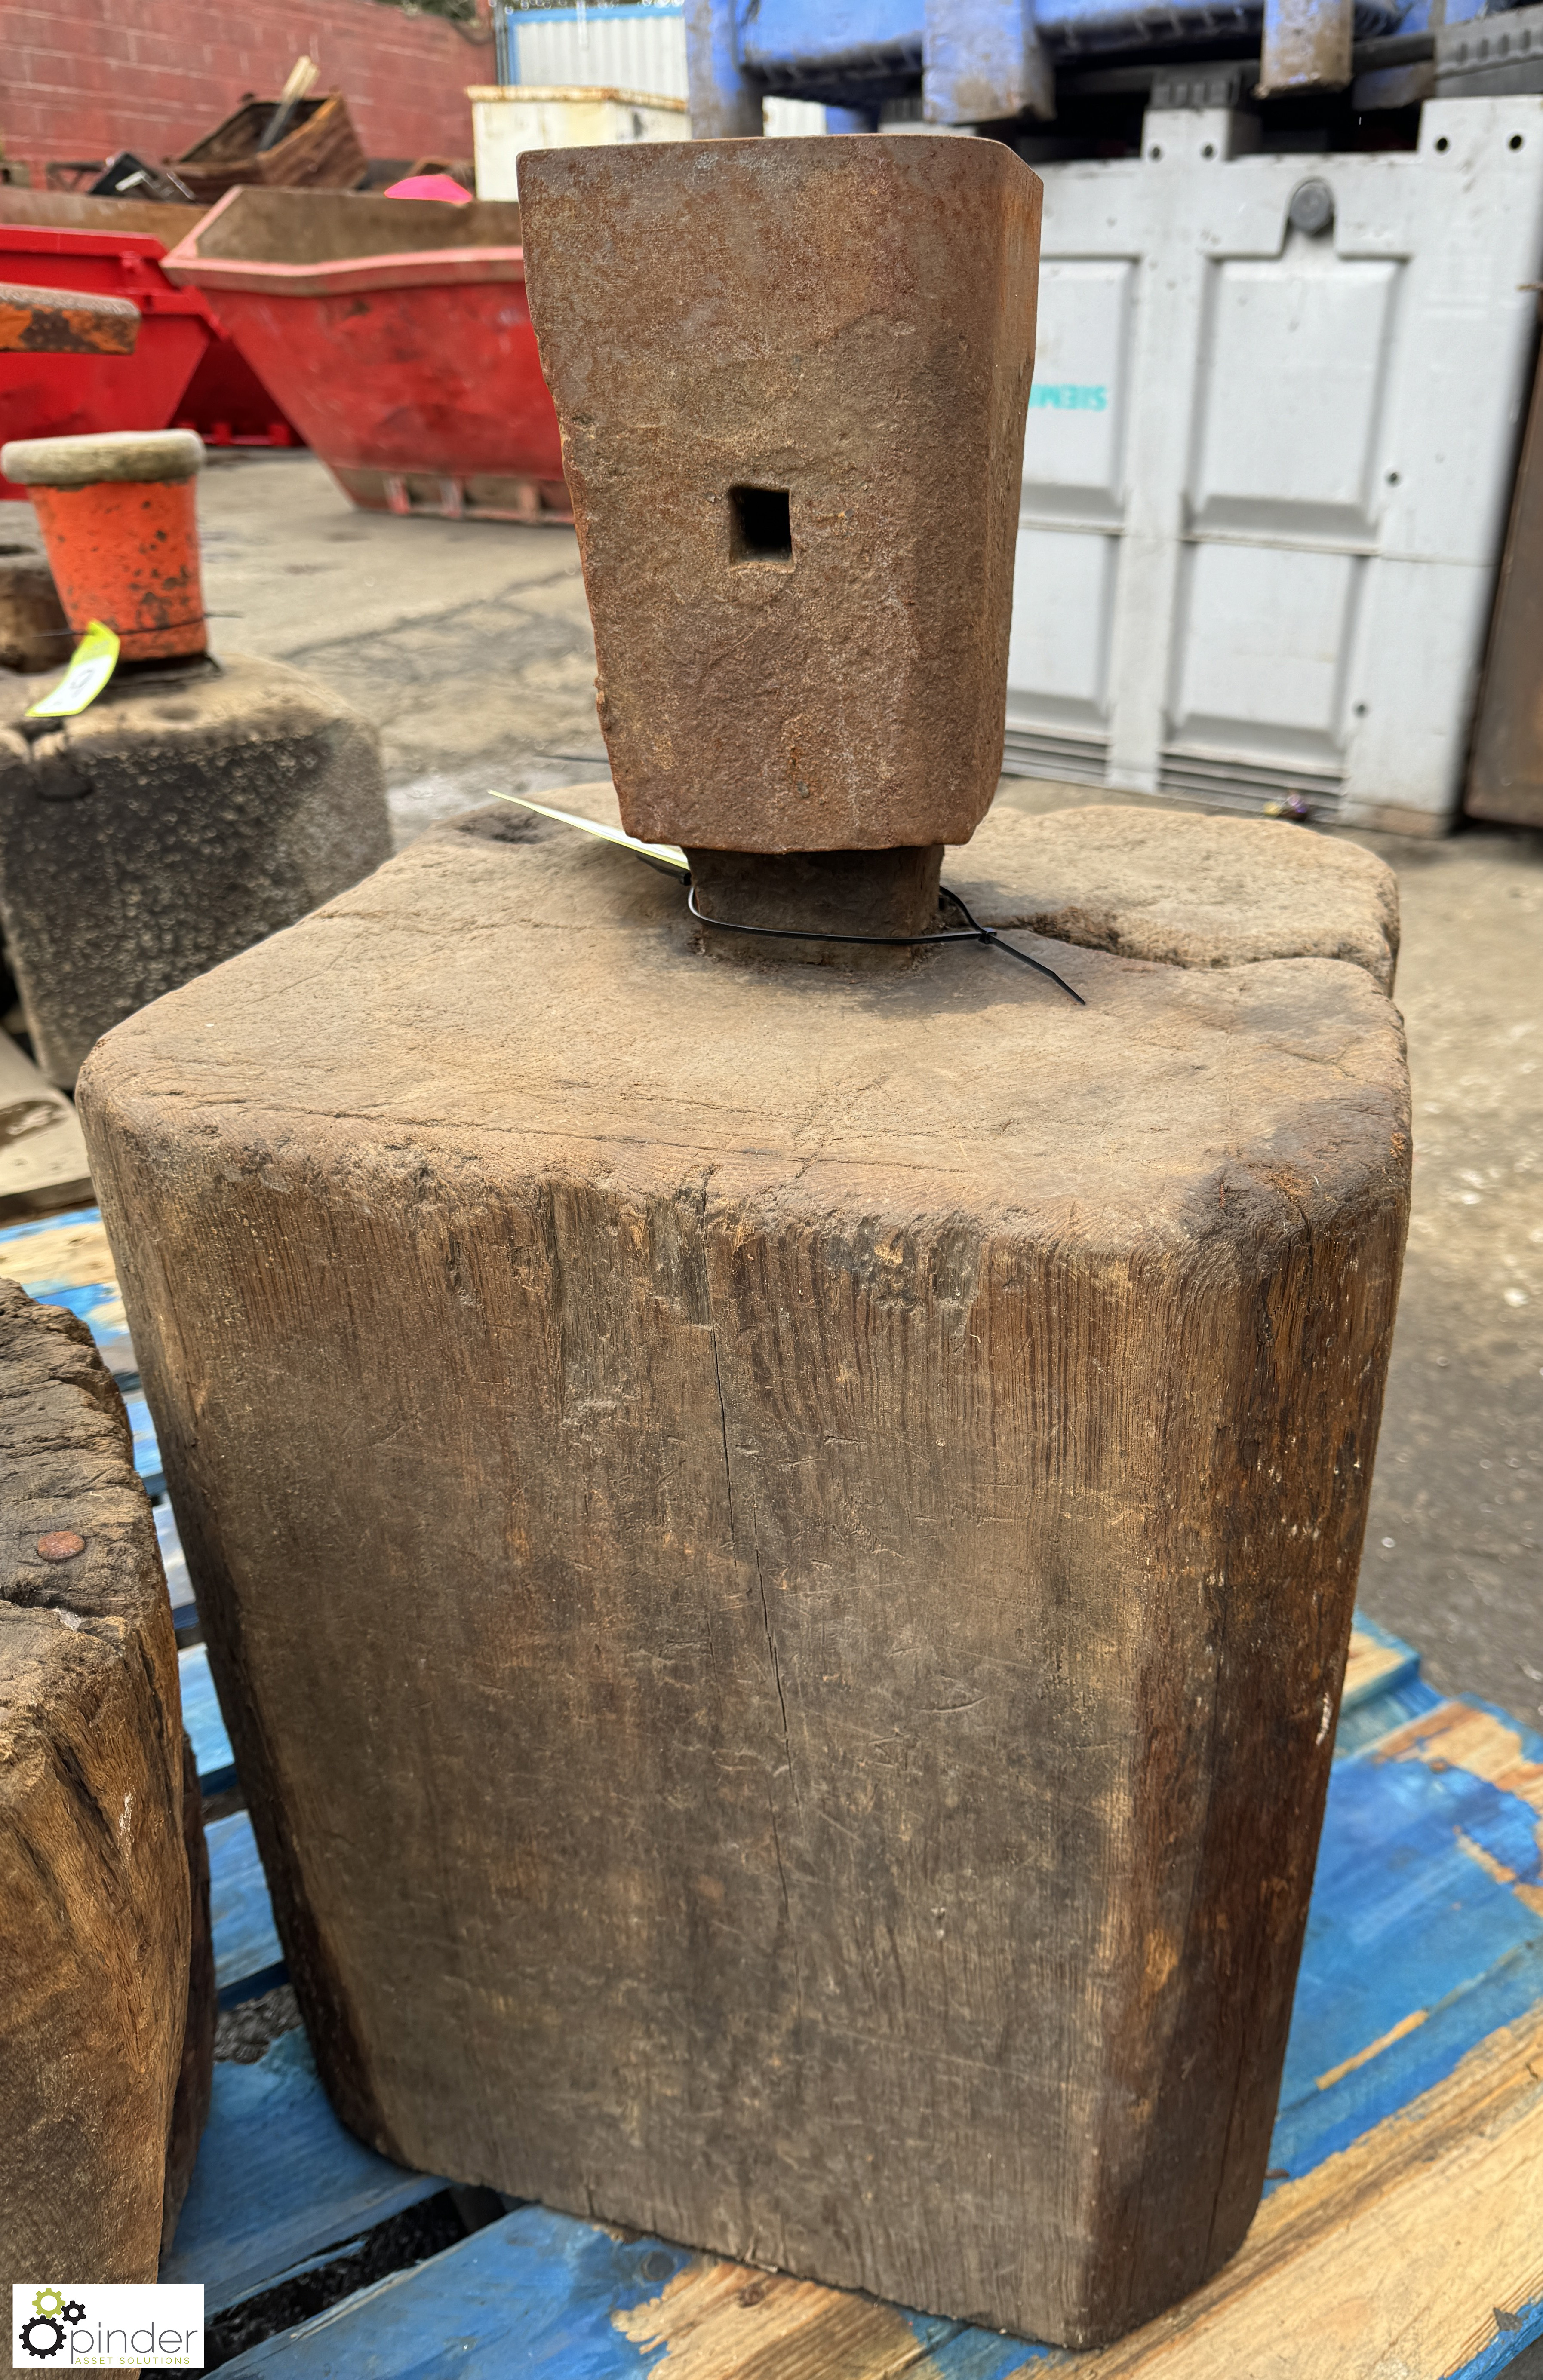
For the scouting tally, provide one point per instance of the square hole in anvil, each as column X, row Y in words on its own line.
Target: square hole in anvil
column 760, row 526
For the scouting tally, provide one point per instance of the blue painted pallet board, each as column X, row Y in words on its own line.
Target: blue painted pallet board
column 248, row 1959
column 1410, row 1928
column 45, row 1258
column 146, row 1454
column 16, row 1232
column 205, row 1726
column 279, row 2182
column 179, row 1587
column 535, row 2293
column 1381, row 1664
column 1382, row 1687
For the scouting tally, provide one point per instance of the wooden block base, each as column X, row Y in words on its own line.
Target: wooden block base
column 778, row 1544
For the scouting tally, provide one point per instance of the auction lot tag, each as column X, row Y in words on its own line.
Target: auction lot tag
column 106, row 2325
column 95, row 660
column 667, row 855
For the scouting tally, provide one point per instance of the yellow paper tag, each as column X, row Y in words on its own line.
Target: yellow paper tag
column 95, row 660
column 667, row 855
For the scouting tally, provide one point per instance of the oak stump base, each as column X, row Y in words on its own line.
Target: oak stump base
column 778, row 1544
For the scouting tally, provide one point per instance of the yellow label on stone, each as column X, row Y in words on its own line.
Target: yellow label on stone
column 95, row 660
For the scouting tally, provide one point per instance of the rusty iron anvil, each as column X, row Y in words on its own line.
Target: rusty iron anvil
column 792, row 378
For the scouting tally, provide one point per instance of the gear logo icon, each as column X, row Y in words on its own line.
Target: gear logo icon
column 43, row 2335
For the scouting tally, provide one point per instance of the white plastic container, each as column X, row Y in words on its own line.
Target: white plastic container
column 1268, row 469
column 505, row 123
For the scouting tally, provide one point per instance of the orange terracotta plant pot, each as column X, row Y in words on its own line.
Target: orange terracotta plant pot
column 119, row 518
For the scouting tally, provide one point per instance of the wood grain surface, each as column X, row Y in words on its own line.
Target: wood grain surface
column 196, row 2069
column 777, row 1550
column 95, row 1943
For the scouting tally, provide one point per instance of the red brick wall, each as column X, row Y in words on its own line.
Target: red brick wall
column 84, row 78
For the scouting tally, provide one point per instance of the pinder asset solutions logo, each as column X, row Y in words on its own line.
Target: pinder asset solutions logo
column 106, row 2325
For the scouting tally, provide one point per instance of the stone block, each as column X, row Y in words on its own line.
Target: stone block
column 181, row 818
column 107, row 2049
column 792, row 378
column 779, row 1543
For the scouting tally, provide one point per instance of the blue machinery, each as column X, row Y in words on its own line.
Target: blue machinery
column 971, row 62
column 1063, row 78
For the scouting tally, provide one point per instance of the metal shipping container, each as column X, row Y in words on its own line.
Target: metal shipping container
column 507, row 119
column 1270, row 445
column 635, row 47
column 578, row 48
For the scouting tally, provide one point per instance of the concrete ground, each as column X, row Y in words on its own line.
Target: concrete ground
column 468, row 645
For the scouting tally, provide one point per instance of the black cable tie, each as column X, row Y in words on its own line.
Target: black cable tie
column 976, row 932
column 991, row 934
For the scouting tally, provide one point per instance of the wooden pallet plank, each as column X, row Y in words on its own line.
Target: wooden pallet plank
column 248, row 1959
column 714, row 2318
column 1360, row 1728
column 1382, row 1687
column 179, row 1587
column 278, row 2182
column 58, row 1253
column 544, row 2293
column 65, row 1260
column 1418, row 1946
column 204, row 1722
column 69, row 1247
column 1378, row 1662
column 43, row 1155
column 989, row 2355
column 1483, row 1743
column 146, row 1454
